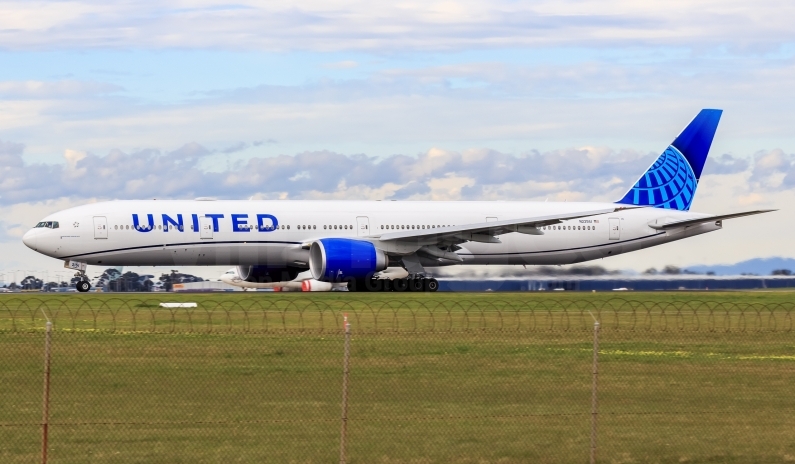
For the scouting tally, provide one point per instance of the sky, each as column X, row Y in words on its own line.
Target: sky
column 559, row 100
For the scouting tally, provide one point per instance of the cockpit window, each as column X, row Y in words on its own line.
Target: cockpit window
column 47, row 224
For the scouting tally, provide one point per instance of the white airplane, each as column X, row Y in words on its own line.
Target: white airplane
column 327, row 244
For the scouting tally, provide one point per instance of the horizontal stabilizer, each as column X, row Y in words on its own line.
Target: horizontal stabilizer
column 704, row 220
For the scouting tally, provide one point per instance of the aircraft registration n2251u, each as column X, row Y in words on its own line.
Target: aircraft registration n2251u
column 320, row 245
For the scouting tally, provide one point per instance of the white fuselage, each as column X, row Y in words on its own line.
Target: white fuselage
column 275, row 233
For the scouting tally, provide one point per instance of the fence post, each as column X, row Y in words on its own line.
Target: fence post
column 345, row 370
column 45, row 414
column 594, row 404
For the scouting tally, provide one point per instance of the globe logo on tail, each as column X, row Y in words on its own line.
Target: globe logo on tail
column 670, row 183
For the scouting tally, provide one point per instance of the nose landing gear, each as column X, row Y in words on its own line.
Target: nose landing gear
column 83, row 285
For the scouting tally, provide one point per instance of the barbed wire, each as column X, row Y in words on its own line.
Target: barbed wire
column 306, row 315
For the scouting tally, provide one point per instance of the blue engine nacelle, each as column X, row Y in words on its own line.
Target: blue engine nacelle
column 335, row 259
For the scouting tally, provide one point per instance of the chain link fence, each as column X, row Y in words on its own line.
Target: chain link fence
column 495, row 382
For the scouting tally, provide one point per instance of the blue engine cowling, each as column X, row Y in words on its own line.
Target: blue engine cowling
column 336, row 259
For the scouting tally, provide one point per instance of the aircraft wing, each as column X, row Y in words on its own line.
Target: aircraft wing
column 487, row 232
column 704, row 220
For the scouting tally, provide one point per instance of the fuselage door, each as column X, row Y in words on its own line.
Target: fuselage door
column 615, row 228
column 100, row 227
column 205, row 227
column 362, row 226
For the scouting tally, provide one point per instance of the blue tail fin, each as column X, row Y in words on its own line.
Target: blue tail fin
column 672, row 180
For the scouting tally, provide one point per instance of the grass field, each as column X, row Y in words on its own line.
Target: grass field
column 447, row 378
column 442, row 311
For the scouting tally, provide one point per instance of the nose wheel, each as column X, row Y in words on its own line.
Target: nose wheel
column 83, row 286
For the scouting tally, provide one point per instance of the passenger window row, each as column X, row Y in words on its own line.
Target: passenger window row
column 54, row 225
column 403, row 226
column 569, row 228
column 181, row 228
column 252, row 227
column 160, row 227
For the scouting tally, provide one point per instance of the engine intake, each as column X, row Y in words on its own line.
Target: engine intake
column 336, row 259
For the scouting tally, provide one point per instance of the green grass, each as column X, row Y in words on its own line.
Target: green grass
column 459, row 386
column 440, row 311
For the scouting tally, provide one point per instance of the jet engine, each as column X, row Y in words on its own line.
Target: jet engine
column 338, row 259
column 266, row 274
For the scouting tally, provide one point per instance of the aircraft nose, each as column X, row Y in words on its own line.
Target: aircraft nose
column 29, row 239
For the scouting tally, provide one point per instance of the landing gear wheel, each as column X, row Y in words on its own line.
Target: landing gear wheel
column 431, row 285
column 416, row 284
column 83, row 286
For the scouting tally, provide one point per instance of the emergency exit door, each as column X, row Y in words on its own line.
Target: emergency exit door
column 205, row 227
column 100, row 227
column 362, row 226
column 615, row 228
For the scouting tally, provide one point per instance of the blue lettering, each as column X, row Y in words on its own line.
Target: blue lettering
column 238, row 221
column 215, row 218
column 141, row 228
column 167, row 220
column 274, row 224
column 265, row 222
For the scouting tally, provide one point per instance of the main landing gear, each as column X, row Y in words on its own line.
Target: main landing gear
column 408, row 284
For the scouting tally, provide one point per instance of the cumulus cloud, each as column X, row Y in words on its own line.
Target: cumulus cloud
column 725, row 164
column 11, row 155
column 84, row 175
column 773, row 169
column 436, row 174
column 585, row 173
